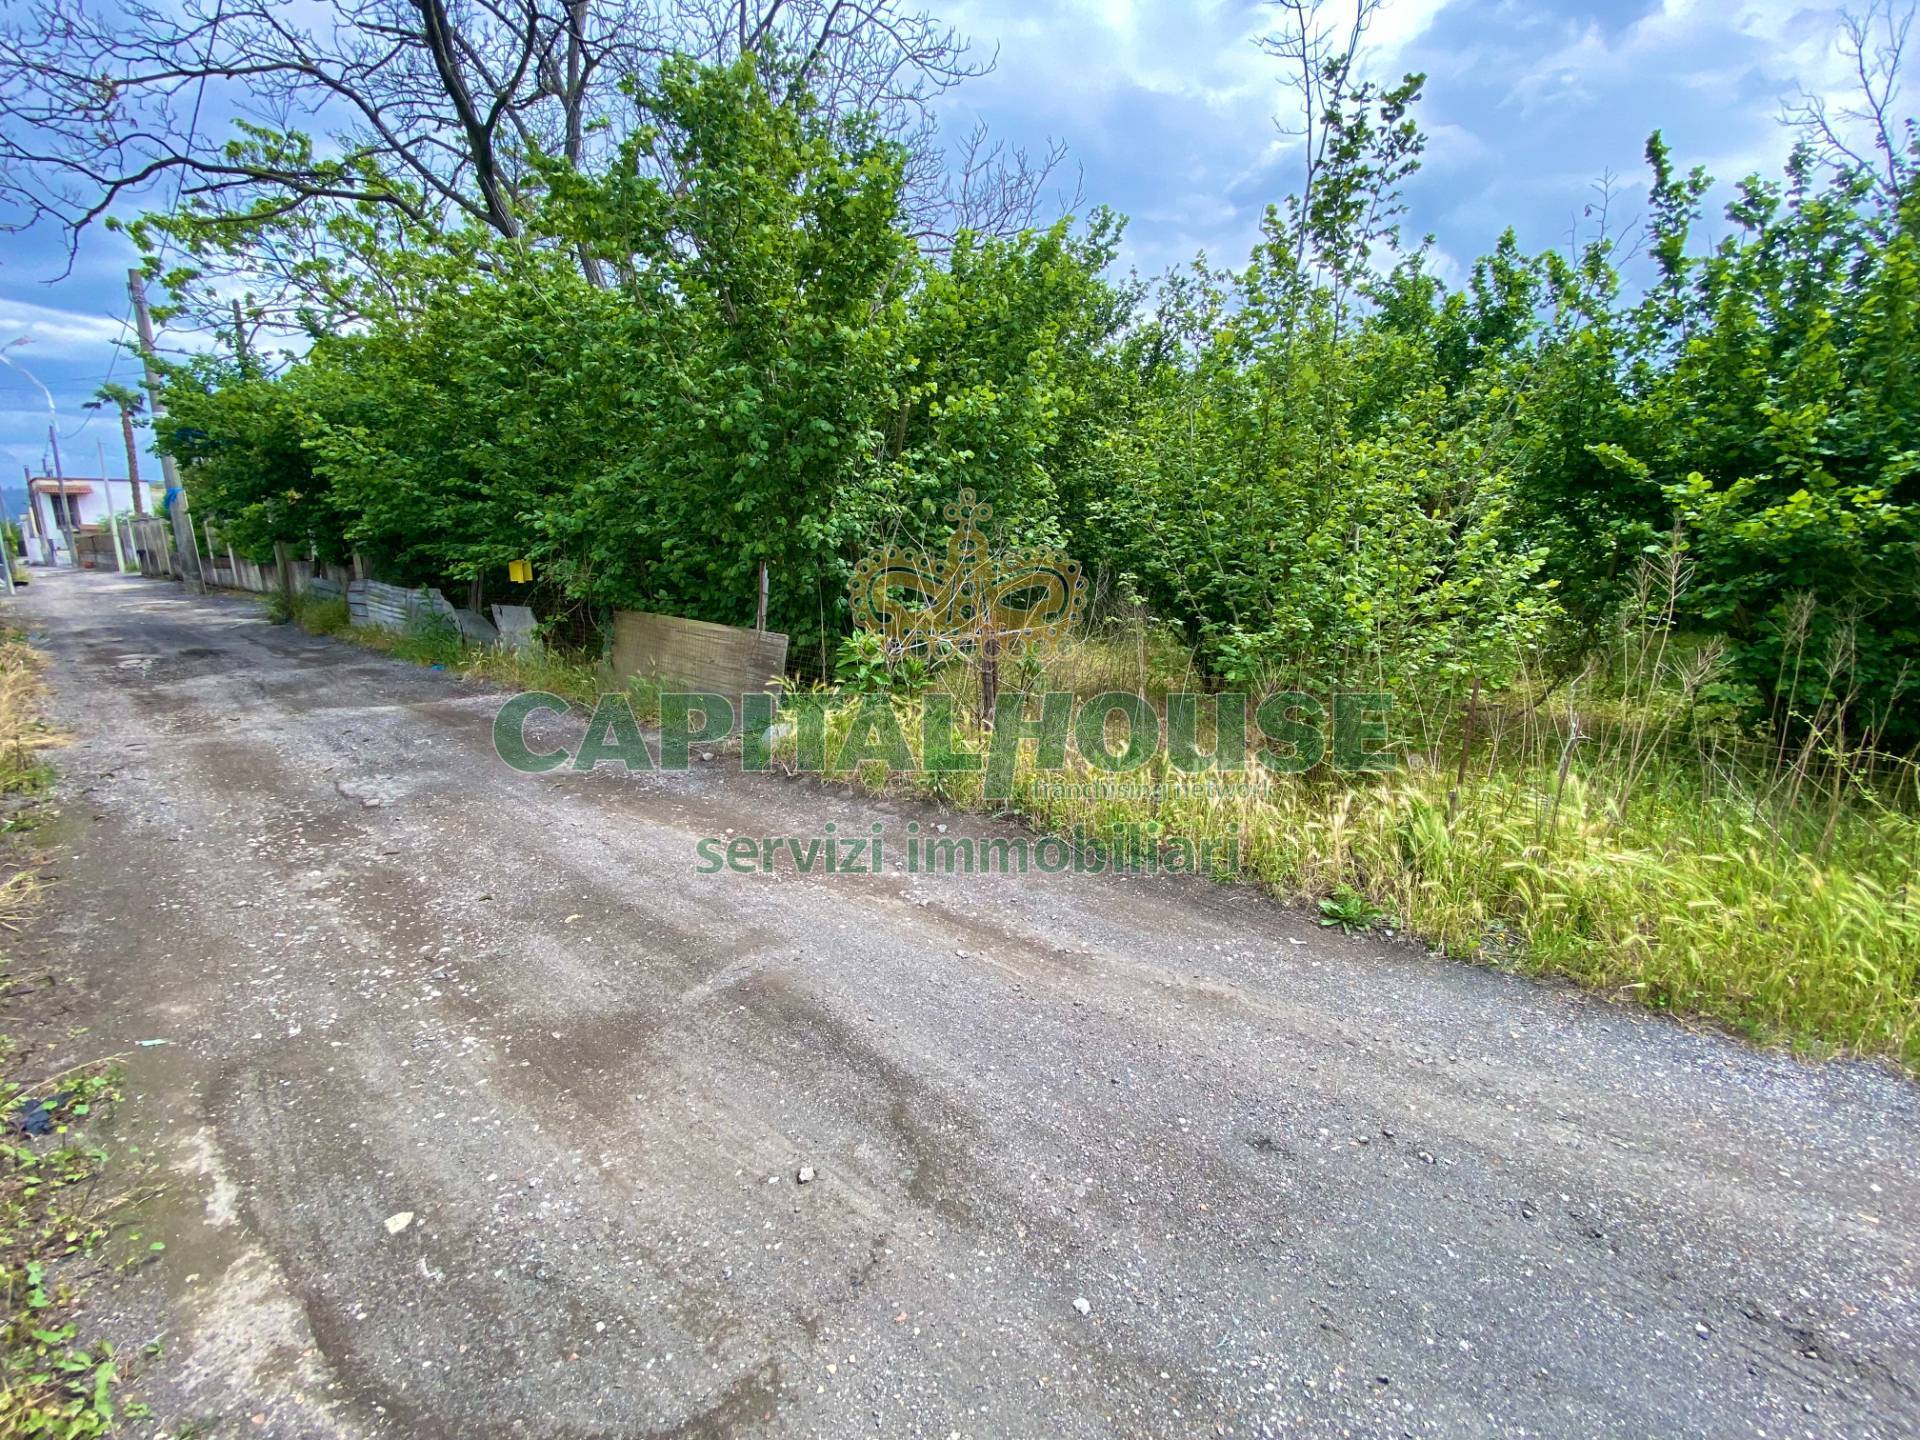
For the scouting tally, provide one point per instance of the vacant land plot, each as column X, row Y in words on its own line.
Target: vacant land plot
column 485, row 1113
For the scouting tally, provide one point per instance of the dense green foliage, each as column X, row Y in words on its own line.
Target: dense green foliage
column 1325, row 467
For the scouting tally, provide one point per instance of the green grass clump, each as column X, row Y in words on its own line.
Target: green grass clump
column 431, row 640
column 578, row 678
column 316, row 614
column 321, row 615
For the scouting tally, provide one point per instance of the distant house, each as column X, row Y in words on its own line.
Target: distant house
column 80, row 501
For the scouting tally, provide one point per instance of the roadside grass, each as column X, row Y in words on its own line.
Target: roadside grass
column 1602, row 830
column 23, row 733
column 577, row 678
column 56, row 1214
column 319, row 615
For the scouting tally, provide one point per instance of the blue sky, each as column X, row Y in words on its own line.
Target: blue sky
column 1170, row 107
column 1169, row 110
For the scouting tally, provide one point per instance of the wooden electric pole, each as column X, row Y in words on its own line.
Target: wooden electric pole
column 183, row 539
column 113, row 525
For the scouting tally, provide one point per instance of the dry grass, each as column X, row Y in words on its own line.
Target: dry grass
column 23, row 730
column 52, row 1206
column 19, row 895
column 24, row 733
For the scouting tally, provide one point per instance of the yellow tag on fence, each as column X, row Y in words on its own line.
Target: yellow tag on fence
column 520, row 571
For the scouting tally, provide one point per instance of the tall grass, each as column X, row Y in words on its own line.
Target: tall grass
column 579, row 678
column 1606, row 828
column 23, row 731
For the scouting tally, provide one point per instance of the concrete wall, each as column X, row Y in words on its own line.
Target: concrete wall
column 721, row 659
column 153, row 546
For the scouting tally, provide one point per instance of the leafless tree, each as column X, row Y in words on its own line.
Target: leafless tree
column 433, row 109
column 1867, row 136
column 985, row 185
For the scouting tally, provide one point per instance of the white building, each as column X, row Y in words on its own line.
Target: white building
column 78, row 503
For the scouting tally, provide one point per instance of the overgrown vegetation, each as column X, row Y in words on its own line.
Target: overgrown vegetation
column 55, row 1214
column 1593, row 829
column 1634, row 542
column 435, row 642
column 1323, row 469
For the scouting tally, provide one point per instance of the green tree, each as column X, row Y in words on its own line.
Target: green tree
column 127, row 403
column 760, row 252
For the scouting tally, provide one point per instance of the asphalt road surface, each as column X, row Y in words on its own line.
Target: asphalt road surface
column 1090, row 1157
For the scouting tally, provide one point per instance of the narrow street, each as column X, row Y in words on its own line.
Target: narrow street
column 1304, row 1183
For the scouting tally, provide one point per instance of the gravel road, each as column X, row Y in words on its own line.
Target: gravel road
column 1090, row 1157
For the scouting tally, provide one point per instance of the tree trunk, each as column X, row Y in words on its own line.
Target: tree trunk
column 576, row 110
column 989, row 675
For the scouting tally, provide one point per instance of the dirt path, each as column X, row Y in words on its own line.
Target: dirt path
column 1306, row 1185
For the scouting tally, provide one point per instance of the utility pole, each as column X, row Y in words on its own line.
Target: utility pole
column 113, row 525
column 6, row 545
column 33, row 510
column 63, row 512
column 182, row 525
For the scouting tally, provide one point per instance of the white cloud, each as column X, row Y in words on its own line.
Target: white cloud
column 57, row 333
column 1399, row 24
column 1453, row 147
column 1203, row 51
column 1450, row 271
column 1705, row 45
column 30, row 418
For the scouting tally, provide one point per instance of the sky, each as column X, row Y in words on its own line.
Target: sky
column 1168, row 110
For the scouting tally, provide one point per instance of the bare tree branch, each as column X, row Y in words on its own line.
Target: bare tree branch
column 439, row 113
column 1867, row 136
column 1320, row 55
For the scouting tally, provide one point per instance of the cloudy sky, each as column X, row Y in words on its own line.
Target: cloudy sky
column 1169, row 109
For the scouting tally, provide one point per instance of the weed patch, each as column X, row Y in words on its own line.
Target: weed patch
column 1600, row 831
column 434, row 641
column 56, row 1214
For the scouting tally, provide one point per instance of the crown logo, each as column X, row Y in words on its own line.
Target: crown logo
column 972, row 599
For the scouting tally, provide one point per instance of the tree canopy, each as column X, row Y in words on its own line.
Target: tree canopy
column 727, row 344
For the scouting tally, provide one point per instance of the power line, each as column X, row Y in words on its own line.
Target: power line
column 119, row 348
column 166, row 239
